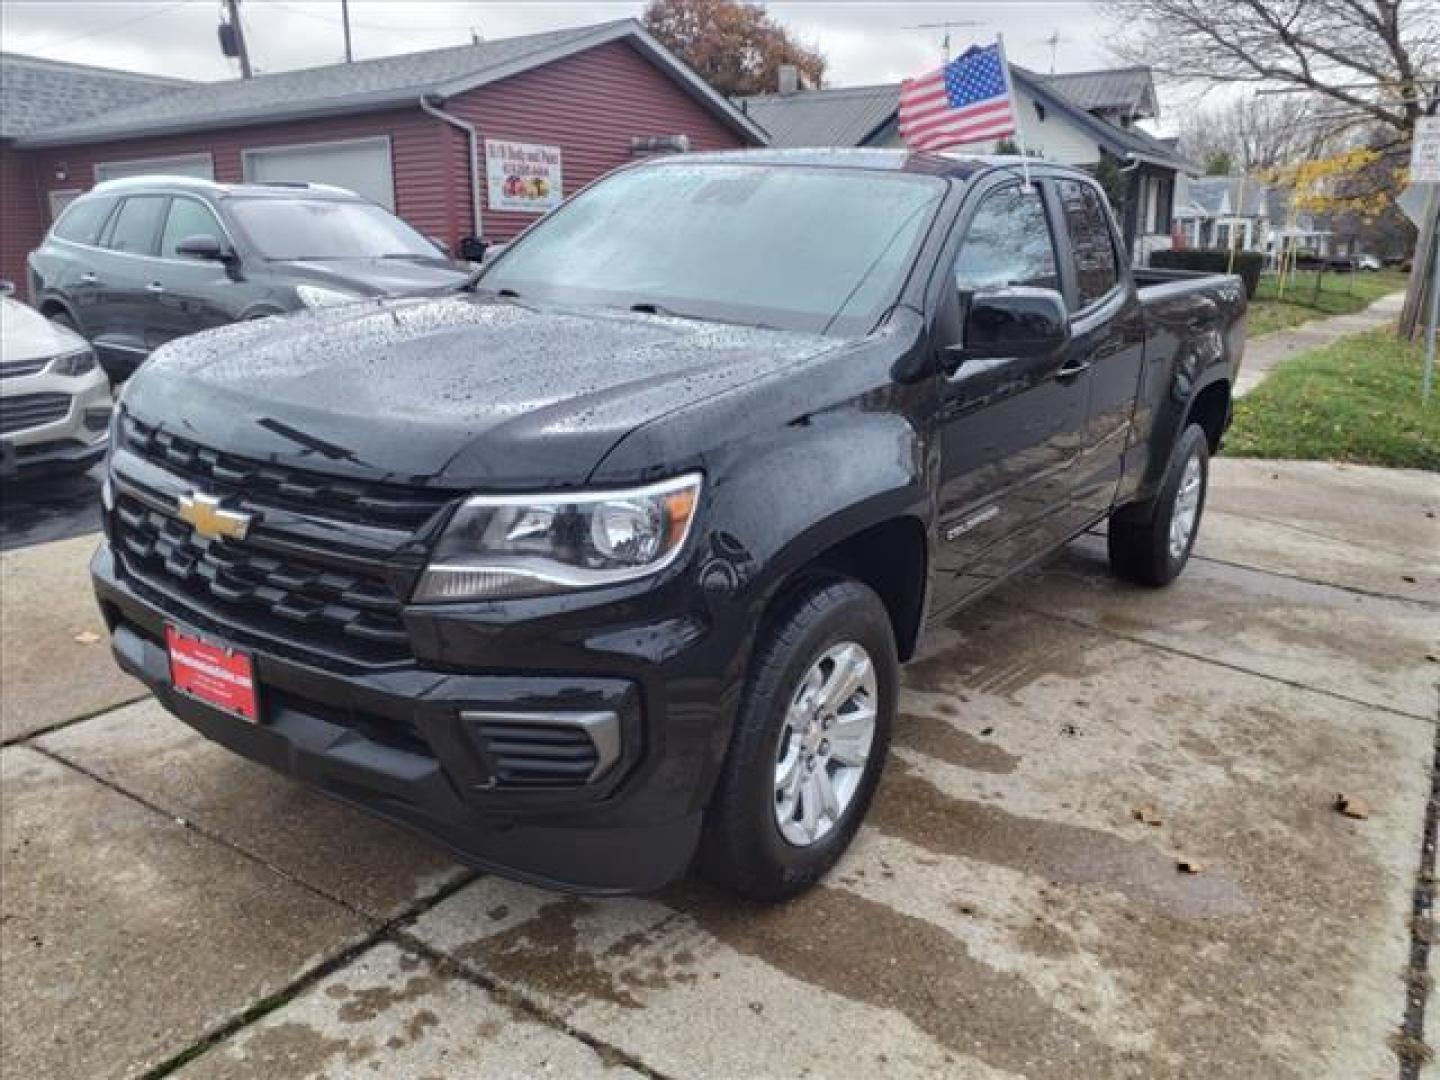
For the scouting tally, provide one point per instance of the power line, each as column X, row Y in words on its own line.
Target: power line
column 112, row 26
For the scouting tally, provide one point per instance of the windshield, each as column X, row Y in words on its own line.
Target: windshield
column 814, row 249
column 326, row 229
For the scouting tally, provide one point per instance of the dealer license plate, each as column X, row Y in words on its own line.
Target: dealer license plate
column 221, row 677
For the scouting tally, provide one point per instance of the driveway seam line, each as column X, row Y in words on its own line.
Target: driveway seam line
column 202, row 831
column 379, row 933
column 1310, row 532
column 505, row 994
column 1410, row 1047
column 390, row 929
column 1368, row 593
column 1221, row 663
column 61, row 725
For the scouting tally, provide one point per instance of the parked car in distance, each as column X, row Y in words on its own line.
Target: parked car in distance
column 134, row 263
column 1367, row 262
column 54, row 399
column 613, row 556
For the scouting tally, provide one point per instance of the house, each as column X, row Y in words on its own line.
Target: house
column 1094, row 124
column 1218, row 211
column 432, row 135
column 40, row 95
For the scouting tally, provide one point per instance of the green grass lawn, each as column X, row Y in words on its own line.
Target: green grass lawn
column 1339, row 294
column 1356, row 401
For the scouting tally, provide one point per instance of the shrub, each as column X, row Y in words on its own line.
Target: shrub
column 1248, row 264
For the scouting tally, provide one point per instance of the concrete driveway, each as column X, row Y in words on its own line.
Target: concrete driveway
column 1016, row 906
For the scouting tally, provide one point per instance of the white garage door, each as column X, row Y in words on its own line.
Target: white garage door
column 361, row 165
column 199, row 166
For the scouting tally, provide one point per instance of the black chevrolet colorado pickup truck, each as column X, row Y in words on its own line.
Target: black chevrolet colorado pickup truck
column 607, row 563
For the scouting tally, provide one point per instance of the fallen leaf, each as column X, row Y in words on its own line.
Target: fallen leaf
column 1352, row 807
column 1189, row 866
column 1148, row 815
column 87, row 637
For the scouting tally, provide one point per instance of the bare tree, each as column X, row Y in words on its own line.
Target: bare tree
column 1254, row 133
column 1376, row 60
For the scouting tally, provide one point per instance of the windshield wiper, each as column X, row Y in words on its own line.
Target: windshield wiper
column 649, row 307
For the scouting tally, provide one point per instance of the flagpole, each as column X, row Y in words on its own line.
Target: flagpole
column 1014, row 111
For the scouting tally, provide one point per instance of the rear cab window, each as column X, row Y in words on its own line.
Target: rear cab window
column 1092, row 245
column 135, row 229
column 1009, row 242
column 83, row 219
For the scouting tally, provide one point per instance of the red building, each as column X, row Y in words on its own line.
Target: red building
column 497, row 131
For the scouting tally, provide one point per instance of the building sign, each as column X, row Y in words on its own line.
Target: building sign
column 523, row 176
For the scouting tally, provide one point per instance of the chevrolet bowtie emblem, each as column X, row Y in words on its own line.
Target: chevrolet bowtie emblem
column 210, row 520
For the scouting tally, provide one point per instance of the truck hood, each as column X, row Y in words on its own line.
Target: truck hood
column 379, row 277
column 454, row 391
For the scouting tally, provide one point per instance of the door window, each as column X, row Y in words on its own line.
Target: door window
column 1091, row 244
column 137, row 225
column 82, row 221
column 1009, row 243
column 187, row 218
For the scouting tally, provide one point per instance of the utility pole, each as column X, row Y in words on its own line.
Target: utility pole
column 243, row 54
column 345, row 18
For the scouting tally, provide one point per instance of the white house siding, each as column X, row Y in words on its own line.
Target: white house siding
column 1055, row 138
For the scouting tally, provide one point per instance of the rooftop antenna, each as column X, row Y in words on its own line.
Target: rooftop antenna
column 1054, row 41
column 947, row 27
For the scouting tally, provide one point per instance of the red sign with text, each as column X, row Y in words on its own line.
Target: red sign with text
column 213, row 674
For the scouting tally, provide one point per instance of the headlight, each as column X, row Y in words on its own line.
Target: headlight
column 499, row 547
column 313, row 296
column 80, row 362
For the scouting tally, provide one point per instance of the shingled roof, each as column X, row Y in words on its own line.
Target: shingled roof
column 39, row 94
column 1119, row 91
column 843, row 116
column 372, row 84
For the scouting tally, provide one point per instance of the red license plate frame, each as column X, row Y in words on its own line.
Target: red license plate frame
column 213, row 674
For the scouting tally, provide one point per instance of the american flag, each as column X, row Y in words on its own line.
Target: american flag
column 966, row 100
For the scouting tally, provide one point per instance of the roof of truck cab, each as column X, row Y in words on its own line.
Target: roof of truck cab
column 876, row 159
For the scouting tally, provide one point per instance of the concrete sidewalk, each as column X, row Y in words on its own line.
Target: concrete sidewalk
column 169, row 908
column 1263, row 354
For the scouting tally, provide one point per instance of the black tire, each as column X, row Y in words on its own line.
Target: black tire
column 1139, row 540
column 743, row 849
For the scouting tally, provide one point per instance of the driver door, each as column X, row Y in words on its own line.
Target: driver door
column 1010, row 428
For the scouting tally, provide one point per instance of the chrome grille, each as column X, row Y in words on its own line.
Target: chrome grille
column 16, row 369
column 310, row 493
column 351, row 612
column 32, row 410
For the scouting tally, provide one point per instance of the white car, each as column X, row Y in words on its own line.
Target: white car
column 55, row 401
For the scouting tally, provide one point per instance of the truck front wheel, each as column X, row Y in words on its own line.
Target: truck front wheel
column 1151, row 543
column 808, row 746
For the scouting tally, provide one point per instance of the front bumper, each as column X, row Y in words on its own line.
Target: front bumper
column 401, row 740
column 73, row 440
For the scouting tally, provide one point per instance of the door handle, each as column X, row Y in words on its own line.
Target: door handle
column 155, row 287
column 89, row 278
column 1073, row 370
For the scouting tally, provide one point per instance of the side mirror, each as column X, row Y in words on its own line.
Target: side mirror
column 472, row 249
column 1016, row 322
column 204, row 246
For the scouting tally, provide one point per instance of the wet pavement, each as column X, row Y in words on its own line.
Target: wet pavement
column 43, row 509
column 1015, row 906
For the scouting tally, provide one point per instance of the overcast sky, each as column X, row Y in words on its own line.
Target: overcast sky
column 866, row 42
